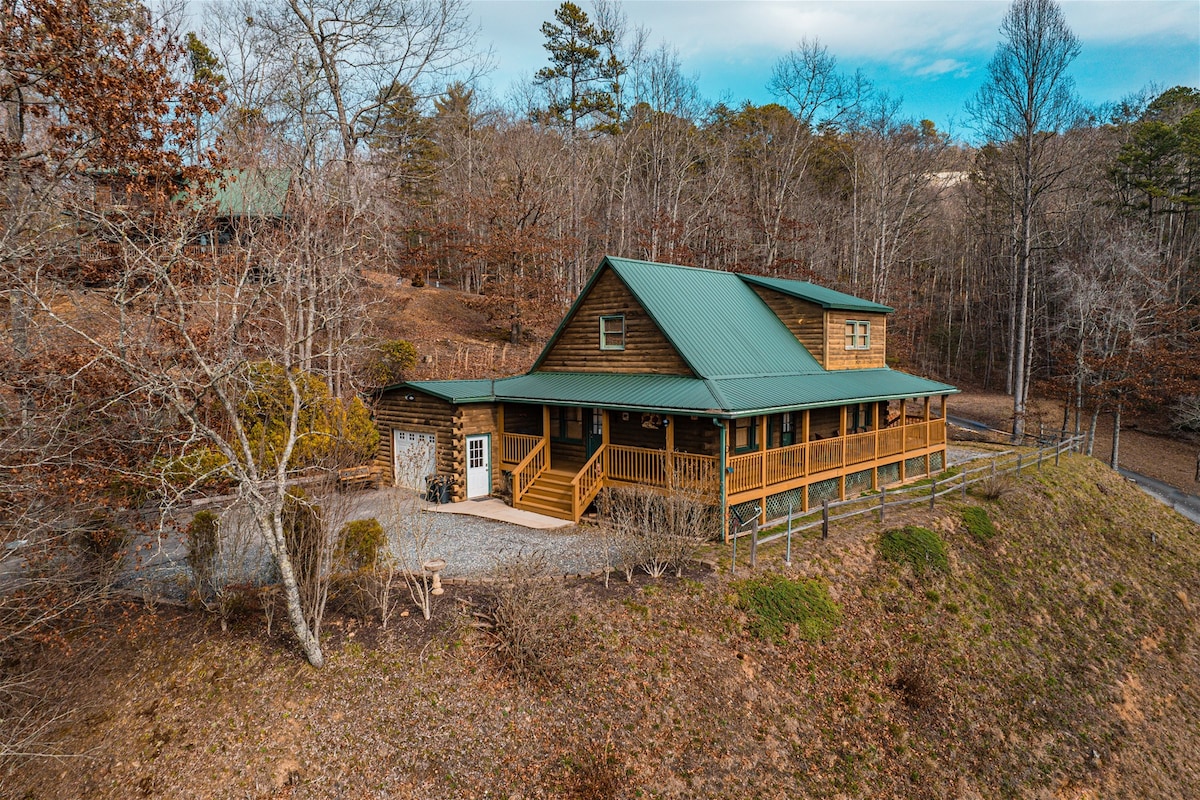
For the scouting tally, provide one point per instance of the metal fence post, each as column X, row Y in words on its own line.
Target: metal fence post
column 791, row 510
column 825, row 518
column 964, row 483
column 1018, row 465
column 754, row 544
column 1057, row 450
column 932, row 494
column 882, row 501
column 734, row 528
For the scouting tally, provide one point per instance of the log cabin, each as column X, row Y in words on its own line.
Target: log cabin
column 767, row 395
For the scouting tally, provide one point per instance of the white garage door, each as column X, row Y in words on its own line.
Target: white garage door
column 414, row 457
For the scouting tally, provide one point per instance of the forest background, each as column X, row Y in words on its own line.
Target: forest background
column 160, row 338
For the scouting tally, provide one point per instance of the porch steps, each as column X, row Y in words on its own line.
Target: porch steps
column 550, row 494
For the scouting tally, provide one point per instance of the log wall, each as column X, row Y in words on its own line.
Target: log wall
column 824, row 422
column 698, row 436
column 630, row 433
column 805, row 320
column 577, row 348
column 838, row 357
column 523, row 418
column 425, row 414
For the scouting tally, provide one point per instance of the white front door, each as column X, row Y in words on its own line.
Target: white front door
column 479, row 466
column 414, row 457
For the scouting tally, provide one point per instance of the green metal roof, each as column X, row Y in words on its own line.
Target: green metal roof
column 826, row 298
column 471, row 391
column 744, row 358
column 252, row 192
column 725, row 397
column 838, row 387
column 608, row 390
column 716, row 322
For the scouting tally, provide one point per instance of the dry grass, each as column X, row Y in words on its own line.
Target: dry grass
column 1058, row 658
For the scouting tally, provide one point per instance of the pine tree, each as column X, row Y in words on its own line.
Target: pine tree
column 584, row 76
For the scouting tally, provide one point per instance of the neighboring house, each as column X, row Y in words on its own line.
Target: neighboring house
column 244, row 202
column 767, row 394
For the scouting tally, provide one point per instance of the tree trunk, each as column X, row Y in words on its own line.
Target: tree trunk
column 1116, row 437
column 272, row 530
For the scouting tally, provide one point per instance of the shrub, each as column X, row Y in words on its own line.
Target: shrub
column 529, row 619
column 102, row 546
column 657, row 531
column 359, row 543
column 203, row 543
column 917, row 683
column 390, row 361
column 993, row 488
column 920, row 548
column 978, row 523
column 776, row 602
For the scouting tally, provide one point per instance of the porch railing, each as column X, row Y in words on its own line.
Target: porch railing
column 518, row 445
column 643, row 465
column 782, row 464
column 529, row 468
column 587, row 483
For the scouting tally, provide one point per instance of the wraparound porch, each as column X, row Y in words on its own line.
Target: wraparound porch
column 760, row 455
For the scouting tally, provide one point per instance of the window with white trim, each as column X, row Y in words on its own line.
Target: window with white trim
column 612, row 332
column 858, row 334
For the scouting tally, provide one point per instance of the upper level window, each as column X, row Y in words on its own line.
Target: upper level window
column 612, row 332
column 858, row 334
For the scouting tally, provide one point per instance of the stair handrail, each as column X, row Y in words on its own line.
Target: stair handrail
column 587, row 483
column 522, row 483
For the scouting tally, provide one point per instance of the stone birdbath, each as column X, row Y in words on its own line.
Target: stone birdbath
column 435, row 567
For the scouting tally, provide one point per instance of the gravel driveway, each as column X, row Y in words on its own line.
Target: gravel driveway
column 471, row 546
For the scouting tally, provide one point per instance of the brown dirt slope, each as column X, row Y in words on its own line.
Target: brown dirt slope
column 1058, row 658
column 451, row 330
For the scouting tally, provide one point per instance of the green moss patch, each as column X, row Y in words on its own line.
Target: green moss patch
column 774, row 603
column 920, row 548
column 978, row 523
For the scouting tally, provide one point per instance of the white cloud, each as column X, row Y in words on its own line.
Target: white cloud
column 944, row 66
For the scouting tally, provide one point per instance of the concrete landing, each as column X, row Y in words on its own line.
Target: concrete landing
column 496, row 509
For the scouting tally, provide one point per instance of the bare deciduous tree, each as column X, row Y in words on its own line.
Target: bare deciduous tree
column 1026, row 102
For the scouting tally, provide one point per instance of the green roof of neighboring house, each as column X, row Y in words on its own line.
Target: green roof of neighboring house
column 726, row 397
column 716, row 322
column 252, row 193
column 826, row 298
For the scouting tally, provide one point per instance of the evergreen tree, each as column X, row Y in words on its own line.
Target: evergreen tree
column 584, row 75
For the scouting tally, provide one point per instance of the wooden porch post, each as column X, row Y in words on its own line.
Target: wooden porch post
column 875, row 445
column 669, row 456
column 604, row 420
column 546, row 432
column 761, row 422
column 903, row 435
column 928, row 456
column 804, row 421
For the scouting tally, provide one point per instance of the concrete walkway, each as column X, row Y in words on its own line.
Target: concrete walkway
column 496, row 509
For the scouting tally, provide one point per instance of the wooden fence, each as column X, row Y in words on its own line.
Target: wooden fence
column 924, row 491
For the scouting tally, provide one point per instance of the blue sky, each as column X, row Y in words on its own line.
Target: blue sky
column 933, row 54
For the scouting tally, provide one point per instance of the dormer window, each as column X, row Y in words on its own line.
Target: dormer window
column 612, row 332
column 858, row 334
